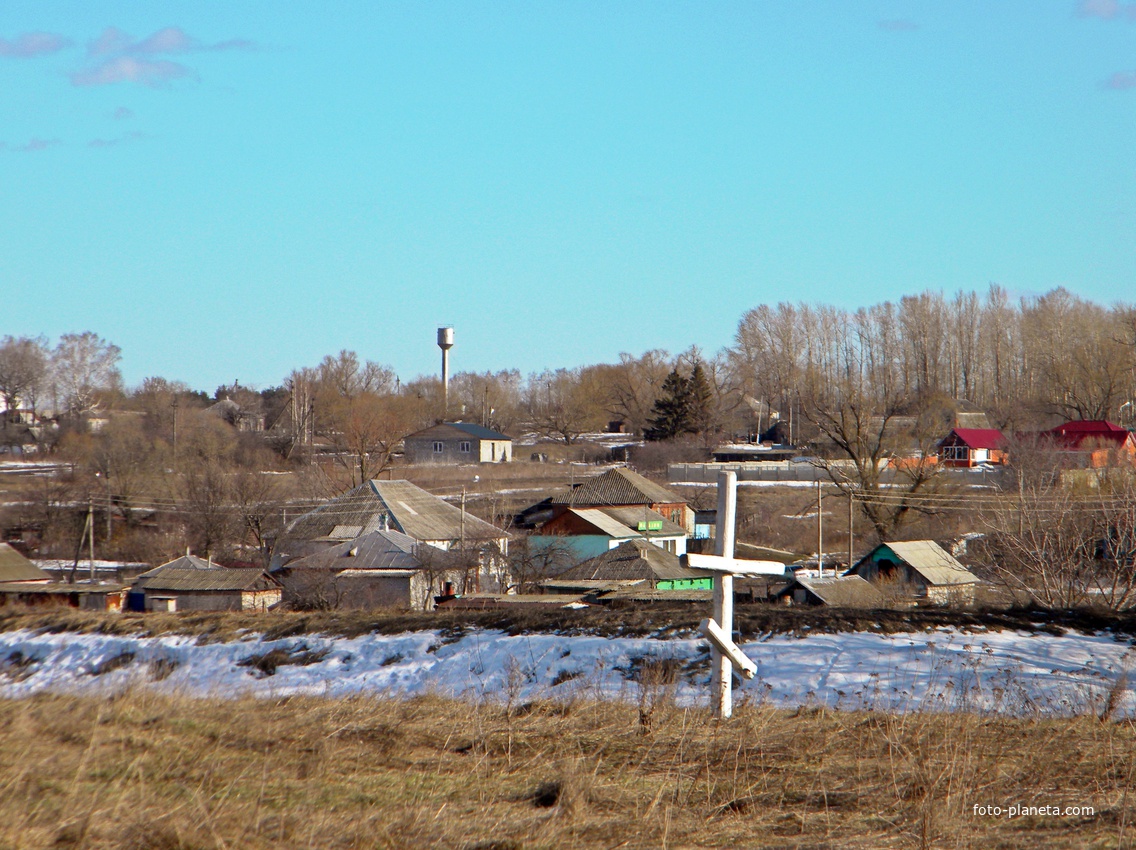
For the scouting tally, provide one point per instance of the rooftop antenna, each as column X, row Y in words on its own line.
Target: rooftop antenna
column 445, row 342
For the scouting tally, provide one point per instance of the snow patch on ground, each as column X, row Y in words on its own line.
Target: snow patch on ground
column 1014, row 673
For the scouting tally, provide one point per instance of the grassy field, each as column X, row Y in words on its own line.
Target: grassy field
column 151, row 772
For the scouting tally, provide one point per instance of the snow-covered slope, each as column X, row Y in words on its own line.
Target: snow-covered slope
column 1010, row 672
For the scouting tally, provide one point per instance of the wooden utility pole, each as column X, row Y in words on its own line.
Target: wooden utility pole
column 722, row 670
column 91, row 532
column 851, row 541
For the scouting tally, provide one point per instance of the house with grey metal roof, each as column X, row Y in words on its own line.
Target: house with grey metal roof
column 624, row 488
column 457, row 442
column 382, row 569
column 921, row 566
column 190, row 584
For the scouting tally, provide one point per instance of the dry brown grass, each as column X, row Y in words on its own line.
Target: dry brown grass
column 636, row 620
column 152, row 772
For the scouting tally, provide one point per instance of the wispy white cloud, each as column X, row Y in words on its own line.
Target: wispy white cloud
column 166, row 40
column 1121, row 81
column 111, row 40
column 130, row 69
column 30, row 44
column 123, row 58
column 1107, row 10
column 125, row 138
column 899, row 25
column 34, row 145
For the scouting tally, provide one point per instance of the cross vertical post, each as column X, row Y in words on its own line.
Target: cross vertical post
column 722, row 670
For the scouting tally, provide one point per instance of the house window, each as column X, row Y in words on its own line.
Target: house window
column 439, row 447
column 463, row 447
column 955, row 453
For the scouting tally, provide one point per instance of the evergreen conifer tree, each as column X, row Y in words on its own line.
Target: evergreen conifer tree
column 671, row 411
column 700, row 400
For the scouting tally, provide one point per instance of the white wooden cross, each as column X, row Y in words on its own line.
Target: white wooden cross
column 725, row 655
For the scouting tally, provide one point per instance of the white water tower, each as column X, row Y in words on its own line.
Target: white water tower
column 445, row 342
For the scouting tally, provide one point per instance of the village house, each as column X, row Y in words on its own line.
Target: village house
column 588, row 532
column 920, row 568
column 403, row 507
column 457, row 442
column 969, row 447
column 382, row 569
column 616, row 488
column 191, row 584
column 1094, row 443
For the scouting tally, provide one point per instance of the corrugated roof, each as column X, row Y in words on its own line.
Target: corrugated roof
column 185, row 562
column 379, row 550
column 979, row 438
column 453, row 429
column 589, row 585
column 60, row 588
column 400, row 505
column 498, row 600
column 218, row 578
column 619, row 486
column 1078, row 432
column 644, row 593
column 842, row 591
column 603, row 523
column 937, row 566
column 15, row 567
column 478, row 431
column 623, row 523
column 635, row 559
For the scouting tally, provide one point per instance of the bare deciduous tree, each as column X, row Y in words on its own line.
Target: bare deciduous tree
column 23, row 370
column 1068, row 539
column 565, row 403
column 366, row 430
column 82, row 366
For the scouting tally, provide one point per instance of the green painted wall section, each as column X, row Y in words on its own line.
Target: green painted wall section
column 685, row 584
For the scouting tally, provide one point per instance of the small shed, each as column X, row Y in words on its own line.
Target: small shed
column 923, row 566
column 848, row 591
column 96, row 596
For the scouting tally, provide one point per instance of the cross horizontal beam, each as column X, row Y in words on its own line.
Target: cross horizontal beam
column 734, row 566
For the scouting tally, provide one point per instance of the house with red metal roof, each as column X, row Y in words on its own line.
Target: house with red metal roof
column 1098, row 442
column 967, row 447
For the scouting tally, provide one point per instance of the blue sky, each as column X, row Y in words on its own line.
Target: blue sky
column 230, row 190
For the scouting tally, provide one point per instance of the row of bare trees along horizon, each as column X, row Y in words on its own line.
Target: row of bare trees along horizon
column 858, row 386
